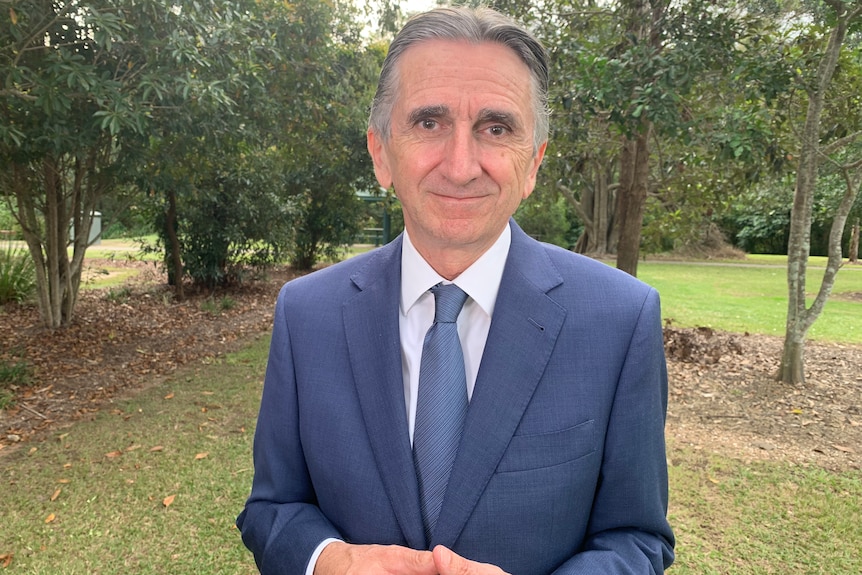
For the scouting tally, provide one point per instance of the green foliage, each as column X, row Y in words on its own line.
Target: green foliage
column 547, row 219
column 118, row 295
column 15, row 374
column 17, row 275
column 7, row 221
column 213, row 307
column 230, row 220
column 85, row 85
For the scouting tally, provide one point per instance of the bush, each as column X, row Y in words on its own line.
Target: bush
column 17, row 275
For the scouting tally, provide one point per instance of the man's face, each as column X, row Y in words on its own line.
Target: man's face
column 460, row 152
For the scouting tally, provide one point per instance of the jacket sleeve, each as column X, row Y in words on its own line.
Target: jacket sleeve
column 628, row 532
column 281, row 523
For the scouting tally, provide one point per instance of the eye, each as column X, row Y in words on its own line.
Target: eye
column 498, row 130
column 428, row 124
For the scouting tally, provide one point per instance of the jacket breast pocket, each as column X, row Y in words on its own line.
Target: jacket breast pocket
column 540, row 450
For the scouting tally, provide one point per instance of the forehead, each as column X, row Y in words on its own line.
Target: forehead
column 455, row 73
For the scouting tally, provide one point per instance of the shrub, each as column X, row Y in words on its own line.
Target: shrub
column 17, row 275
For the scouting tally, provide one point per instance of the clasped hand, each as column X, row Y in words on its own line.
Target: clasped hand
column 344, row 559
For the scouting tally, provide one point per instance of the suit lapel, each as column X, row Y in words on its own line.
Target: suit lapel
column 523, row 332
column 371, row 327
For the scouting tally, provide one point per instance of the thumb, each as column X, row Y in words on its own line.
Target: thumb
column 449, row 563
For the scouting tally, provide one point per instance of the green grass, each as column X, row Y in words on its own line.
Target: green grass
column 763, row 518
column 109, row 479
column 112, row 475
column 751, row 298
column 103, row 482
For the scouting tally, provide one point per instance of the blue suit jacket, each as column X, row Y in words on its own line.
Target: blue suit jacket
column 562, row 466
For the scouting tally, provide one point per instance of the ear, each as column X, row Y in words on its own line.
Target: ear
column 380, row 157
column 535, row 162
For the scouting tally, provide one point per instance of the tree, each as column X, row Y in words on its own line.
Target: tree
column 627, row 80
column 81, row 81
column 817, row 147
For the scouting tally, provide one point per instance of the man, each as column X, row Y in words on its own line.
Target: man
column 560, row 465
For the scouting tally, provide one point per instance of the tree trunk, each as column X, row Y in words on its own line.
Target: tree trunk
column 176, row 261
column 644, row 27
column 854, row 244
column 631, row 198
column 595, row 208
column 799, row 317
column 793, row 358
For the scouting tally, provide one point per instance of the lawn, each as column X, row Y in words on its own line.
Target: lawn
column 752, row 298
column 153, row 483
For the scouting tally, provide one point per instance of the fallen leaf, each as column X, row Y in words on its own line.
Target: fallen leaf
column 56, row 495
column 33, row 450
column 113, row 454
column 168, row 500
column 50, row 518
column 133, row 447
column 64, row 480
column 156, row 448
column 201, row 455
column 844, row 449
column 170, row 395
column 6, row 559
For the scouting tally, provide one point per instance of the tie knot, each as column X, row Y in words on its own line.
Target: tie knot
column 448, row 301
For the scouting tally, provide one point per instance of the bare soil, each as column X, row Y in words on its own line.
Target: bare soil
column 723, row 397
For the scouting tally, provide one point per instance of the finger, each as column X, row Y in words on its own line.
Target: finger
column 417, row 562
column 450, row 563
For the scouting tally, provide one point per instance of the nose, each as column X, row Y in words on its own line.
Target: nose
column 462, row 156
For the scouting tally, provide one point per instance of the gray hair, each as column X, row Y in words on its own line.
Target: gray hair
column 472, row 25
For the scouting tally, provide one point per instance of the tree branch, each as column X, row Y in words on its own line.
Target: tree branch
column 840, row 143
column 17, row 94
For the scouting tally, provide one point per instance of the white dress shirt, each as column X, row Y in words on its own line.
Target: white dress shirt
column 480, row 281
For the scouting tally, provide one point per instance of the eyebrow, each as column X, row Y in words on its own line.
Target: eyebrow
column 499, row 117
column 426, row 112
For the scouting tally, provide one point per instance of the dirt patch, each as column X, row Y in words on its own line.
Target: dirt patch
column 724, row 398
column 722, row 393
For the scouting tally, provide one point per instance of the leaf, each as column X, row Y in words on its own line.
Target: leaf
column 201, row 455
column 64, row 480
column 113, row 454
column 6, row 559
column 56, row 494
column 14, row 18
column 844, row 449
column 170, row 395
column 156, row 448
column 50, row 518
column 168, row 500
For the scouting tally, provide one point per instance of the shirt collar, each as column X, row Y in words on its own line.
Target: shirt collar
column 481, row 281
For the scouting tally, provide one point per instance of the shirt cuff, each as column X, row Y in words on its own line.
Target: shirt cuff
column 312, row 562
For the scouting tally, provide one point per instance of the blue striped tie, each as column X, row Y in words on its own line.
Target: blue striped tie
column 441, row 405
